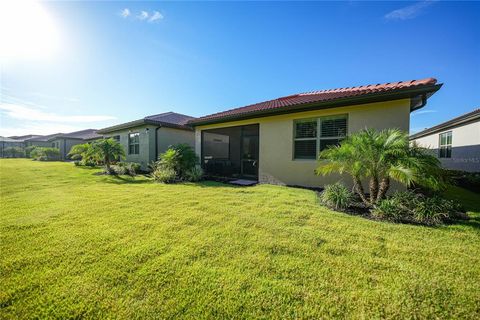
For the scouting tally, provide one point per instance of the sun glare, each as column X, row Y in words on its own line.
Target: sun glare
column 27, row 30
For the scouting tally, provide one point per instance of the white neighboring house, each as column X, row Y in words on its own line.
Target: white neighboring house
column 456, row 142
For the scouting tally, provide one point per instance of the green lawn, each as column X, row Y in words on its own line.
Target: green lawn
column 79, row 245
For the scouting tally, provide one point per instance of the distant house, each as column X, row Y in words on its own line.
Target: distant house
column 144, row 139
column 65, row 141
column 455, row 142
column 9, row 143
column 40, row 141
column 278, row 141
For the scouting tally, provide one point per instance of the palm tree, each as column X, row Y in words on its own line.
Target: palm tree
column 107, row 150
column 381, row 156
column 79, row 151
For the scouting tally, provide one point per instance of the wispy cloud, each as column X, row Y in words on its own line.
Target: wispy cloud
column 156, row 16
column 37, row 128
column 422, row 112
column 125, row 13
column 143, row 15
column 409, row 12
column 28, row 113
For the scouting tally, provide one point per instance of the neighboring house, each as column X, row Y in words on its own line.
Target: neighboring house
column 40, row 141
column 8, row 143
column 455, row 142
column 144, row 139
column 28, row 136
column 64, row 142
column 278, row 141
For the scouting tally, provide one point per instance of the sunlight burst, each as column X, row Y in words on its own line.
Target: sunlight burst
column 27, row 30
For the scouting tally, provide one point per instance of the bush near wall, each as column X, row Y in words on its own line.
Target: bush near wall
column 45, row 154
column 13, row 152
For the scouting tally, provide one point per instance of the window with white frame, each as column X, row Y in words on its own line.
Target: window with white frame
column 134, row 143
column 445, row 145
column 314, row 135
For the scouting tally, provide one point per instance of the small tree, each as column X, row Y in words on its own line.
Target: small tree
column 107, row 150
column 381, row 156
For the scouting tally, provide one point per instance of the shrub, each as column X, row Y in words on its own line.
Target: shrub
column 117, row 169
column 336, row 196
column 408, row 206
column 28, row 151
column 13, row 152
column 195, row 174
column 180, row 159
column 165, row 175
column 45, row 154
column 77, row 163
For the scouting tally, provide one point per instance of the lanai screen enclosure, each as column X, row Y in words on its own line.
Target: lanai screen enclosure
column 231, row 152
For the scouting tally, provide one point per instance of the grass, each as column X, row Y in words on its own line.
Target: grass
column 79, row 245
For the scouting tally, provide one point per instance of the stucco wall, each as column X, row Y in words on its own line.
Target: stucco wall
column 147, row 152
column 465, row 147
column 169, row 136
column 276, row 163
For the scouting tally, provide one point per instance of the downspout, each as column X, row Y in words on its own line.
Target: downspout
column 156, row 143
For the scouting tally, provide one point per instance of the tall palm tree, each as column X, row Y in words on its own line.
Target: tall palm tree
column 107, row 150
column 381, row 156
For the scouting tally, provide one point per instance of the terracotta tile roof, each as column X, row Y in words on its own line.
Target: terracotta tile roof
column 166, row 119
column 467, row 117
column 281, row 104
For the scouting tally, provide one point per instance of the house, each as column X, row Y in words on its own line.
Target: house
column 40, row 141
column 455, row 142
column 9, row 143
column 278, row 141
column 65, row 141
column 144, row 139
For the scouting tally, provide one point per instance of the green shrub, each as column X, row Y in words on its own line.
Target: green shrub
column 181, row 159
column 195, row 174
column 77, row 163
column 45, row 154
column 164, row 175
column 408, row 206
column 13, row 152
column 118, row 169
column 28, row 150
column 336, row 196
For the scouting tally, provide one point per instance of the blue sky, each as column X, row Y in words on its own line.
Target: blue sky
column 113, row 65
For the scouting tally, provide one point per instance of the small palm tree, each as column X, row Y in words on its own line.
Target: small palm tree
column 107, row 150
column 79, row 151
column 381, row 156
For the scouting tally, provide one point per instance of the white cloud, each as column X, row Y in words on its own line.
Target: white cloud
column 37, row 128
column 23, row 112
column 125, row 13
column 156, row 16
column 143, row 15
column 423, row 112
column 408, row 12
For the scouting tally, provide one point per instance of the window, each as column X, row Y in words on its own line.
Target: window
column 134, row 143
column 53, row 144
column 116, row 138
column 445, row 150
column 314, row 135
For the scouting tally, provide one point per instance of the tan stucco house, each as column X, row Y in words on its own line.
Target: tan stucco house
column 144, row 139
column 278, row 141
column 455, row 142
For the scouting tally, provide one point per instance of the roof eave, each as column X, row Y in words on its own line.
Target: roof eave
column 122, row 126
column 415, row 94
